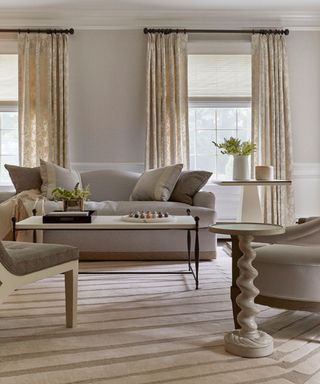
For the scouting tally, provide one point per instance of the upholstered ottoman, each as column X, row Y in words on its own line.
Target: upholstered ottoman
column 288, row 272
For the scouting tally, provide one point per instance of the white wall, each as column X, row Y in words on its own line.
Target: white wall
column 107, row 105
column 304, row 73
column 107, row 96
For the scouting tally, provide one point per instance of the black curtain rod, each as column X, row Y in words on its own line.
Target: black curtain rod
column 250, row 31
column 27, row 30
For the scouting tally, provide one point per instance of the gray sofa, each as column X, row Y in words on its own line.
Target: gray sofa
column 110, row 191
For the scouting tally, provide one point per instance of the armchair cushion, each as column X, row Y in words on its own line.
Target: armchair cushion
column 21, row 258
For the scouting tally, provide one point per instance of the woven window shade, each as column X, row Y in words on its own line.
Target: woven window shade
column 8, row 77
column 219, row 75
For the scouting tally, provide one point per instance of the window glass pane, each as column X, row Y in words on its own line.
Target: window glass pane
column 192, row 142
column 8, row 77
column 244, row 118
column 206, row 163
column 205, row 118
column 224, row 167
column 192, row 119
column 9, row 144
column 204, row 142
column 226, row 118
column 244, row 134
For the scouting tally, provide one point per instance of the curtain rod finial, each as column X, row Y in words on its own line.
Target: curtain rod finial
column 286, row 32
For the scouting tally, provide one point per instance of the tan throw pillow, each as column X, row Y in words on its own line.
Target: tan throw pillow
column 157, row 184
column 24, row 178
column 54, row 176
column 188, row 184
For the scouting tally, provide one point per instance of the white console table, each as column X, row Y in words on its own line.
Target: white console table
column 251, row 209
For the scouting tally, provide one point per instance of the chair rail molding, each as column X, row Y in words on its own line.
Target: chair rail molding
column 306, row 170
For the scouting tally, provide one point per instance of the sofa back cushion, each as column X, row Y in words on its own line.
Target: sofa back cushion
column 109, row 184
column 157, row 184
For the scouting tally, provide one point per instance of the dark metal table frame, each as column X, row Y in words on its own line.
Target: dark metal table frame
column 194, row 272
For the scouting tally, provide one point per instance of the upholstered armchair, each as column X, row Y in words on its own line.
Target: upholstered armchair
column 23, row 263
column 305, row 234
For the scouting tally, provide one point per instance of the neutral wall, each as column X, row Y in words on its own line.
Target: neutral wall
column 107, row 106
column 304, row 76
column 107, row 96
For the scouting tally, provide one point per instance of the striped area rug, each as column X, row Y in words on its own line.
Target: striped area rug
column 138, row 329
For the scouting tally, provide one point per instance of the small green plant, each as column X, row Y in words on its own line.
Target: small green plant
column 234, row 146
column 76, row 193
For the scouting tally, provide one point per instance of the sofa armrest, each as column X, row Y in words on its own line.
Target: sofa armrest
column 204, row 199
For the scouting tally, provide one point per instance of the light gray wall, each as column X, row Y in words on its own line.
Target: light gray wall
column 304, row 75
column 107, row 105
column 107, row 96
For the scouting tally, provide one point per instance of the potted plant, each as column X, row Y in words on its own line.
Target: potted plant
column 240, row 150
column 72, row 200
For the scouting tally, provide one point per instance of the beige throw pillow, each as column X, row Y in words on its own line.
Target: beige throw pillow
column 157, row 184
column 54, row 176
column 24, row 178
column 188, row 184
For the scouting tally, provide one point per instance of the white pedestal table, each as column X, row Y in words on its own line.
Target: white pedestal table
column 247, row 341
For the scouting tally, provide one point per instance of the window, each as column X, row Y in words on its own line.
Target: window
column 9, row 138
column 219, row 107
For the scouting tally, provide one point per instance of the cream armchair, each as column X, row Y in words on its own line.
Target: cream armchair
column 288, row 267
column 305, row 234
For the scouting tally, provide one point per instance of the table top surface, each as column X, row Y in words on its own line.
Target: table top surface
column 252, row 229
column 107, row 222
column 251, row 182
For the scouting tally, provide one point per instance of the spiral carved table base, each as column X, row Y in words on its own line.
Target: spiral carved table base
column 248, row 341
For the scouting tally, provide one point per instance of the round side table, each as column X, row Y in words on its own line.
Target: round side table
column 247, row 341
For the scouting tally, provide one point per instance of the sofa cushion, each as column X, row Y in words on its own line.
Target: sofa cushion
column 188, row 184
column 24, row 178
column 22, row 258
column 157, row 184
column 109, row 184
column 54, row 176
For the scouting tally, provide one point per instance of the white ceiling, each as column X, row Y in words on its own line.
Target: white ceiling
column 128, row 14
column 162, row 5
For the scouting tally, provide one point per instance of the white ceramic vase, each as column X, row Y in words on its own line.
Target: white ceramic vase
column 241, row 169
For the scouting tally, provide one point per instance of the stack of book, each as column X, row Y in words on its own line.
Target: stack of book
column 68, row 217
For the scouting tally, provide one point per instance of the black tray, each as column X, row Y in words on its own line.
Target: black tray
column 68, row 218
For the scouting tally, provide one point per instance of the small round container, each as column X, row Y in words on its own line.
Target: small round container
column 264, row 172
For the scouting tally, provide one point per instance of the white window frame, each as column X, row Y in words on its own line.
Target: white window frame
column 8, row 45
column 8, row 106
column 219, row 103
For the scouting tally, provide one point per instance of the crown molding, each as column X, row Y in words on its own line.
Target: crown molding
column 182, row 19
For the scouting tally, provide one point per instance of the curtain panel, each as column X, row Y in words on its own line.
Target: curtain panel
column 271, row 125
column 167, row 139
column 43, row 98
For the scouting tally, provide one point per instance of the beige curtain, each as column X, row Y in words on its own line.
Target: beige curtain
column 271, row 122
column 167, row 139
column 43, row 98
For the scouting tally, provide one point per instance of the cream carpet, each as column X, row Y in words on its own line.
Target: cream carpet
column 138, row 329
